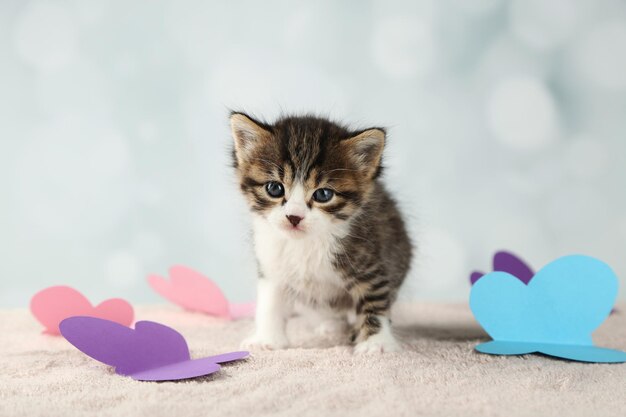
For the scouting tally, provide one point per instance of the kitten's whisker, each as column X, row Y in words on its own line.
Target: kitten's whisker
column 277, row 167
column 338, row 169
column 334, row 178
column 268, row 162
column 332, row 188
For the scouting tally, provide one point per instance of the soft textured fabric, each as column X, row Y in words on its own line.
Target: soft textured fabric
column 438, row 374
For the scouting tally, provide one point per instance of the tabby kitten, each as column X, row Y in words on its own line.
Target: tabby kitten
column 328, row 236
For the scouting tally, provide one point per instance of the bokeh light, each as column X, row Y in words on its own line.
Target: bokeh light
column 46, row 35
column 403, row 46
column 601, row 55
column 522, row 114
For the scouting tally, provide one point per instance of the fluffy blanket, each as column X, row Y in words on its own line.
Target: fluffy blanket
column 438, row 374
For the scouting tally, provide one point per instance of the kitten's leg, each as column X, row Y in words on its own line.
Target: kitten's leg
column 375, row 335
column 351, row 317
column 325, row 322
column 271, row 317
column 331, row 324
column 373, row 332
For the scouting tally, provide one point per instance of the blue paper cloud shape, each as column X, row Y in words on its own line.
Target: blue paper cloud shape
column 554, row 314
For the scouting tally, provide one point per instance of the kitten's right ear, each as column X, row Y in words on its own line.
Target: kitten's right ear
column 248, row 134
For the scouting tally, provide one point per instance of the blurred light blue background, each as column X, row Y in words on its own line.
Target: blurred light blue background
column 507, row 129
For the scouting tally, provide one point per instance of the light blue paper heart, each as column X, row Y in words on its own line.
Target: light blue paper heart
column 554, row 314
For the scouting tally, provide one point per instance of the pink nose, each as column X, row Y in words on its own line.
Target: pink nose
column 294, row 220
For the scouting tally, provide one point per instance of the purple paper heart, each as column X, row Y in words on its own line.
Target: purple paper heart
column 475, row 276
column 508, row 262
column 150, row 352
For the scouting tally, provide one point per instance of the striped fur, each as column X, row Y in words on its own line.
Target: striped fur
column 352, row 252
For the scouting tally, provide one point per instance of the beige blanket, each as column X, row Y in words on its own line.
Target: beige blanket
column 437, row 375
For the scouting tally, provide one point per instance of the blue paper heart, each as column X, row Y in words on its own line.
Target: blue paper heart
column 554, row 314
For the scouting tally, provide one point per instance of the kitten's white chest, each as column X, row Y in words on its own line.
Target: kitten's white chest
column 303, row 266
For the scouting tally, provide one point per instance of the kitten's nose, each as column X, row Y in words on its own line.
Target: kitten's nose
column 294, row 220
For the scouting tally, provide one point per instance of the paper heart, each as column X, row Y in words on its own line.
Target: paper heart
column 52, row 305
column 504, row 261
column 554, row 314
column 149, row 352
column 193, row 291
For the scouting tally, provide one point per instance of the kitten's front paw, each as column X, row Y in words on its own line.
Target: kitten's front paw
column 265, row 342
column 377, row 343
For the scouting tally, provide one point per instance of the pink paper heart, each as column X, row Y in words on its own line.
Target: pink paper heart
column 52, row 305
column 193, row 291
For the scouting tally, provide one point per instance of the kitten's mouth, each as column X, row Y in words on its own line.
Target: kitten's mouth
column 294, row 230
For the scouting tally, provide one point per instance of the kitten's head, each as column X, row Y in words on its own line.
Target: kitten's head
column 306, row 176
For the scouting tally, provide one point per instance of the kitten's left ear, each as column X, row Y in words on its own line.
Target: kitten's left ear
column 366, row 150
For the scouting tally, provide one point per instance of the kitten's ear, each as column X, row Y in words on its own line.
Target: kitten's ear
column 248, row 134
column 366, row 150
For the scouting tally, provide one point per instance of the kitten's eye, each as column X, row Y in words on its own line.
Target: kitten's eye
column 275, row 189
column 323, row 195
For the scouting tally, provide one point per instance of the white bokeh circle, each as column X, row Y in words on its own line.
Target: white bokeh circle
column 46, row 35
column 544, row 24
column 522, row 114
column 600, row 56
column 403, row 46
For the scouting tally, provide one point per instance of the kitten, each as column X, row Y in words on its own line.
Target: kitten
column 327, row 234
